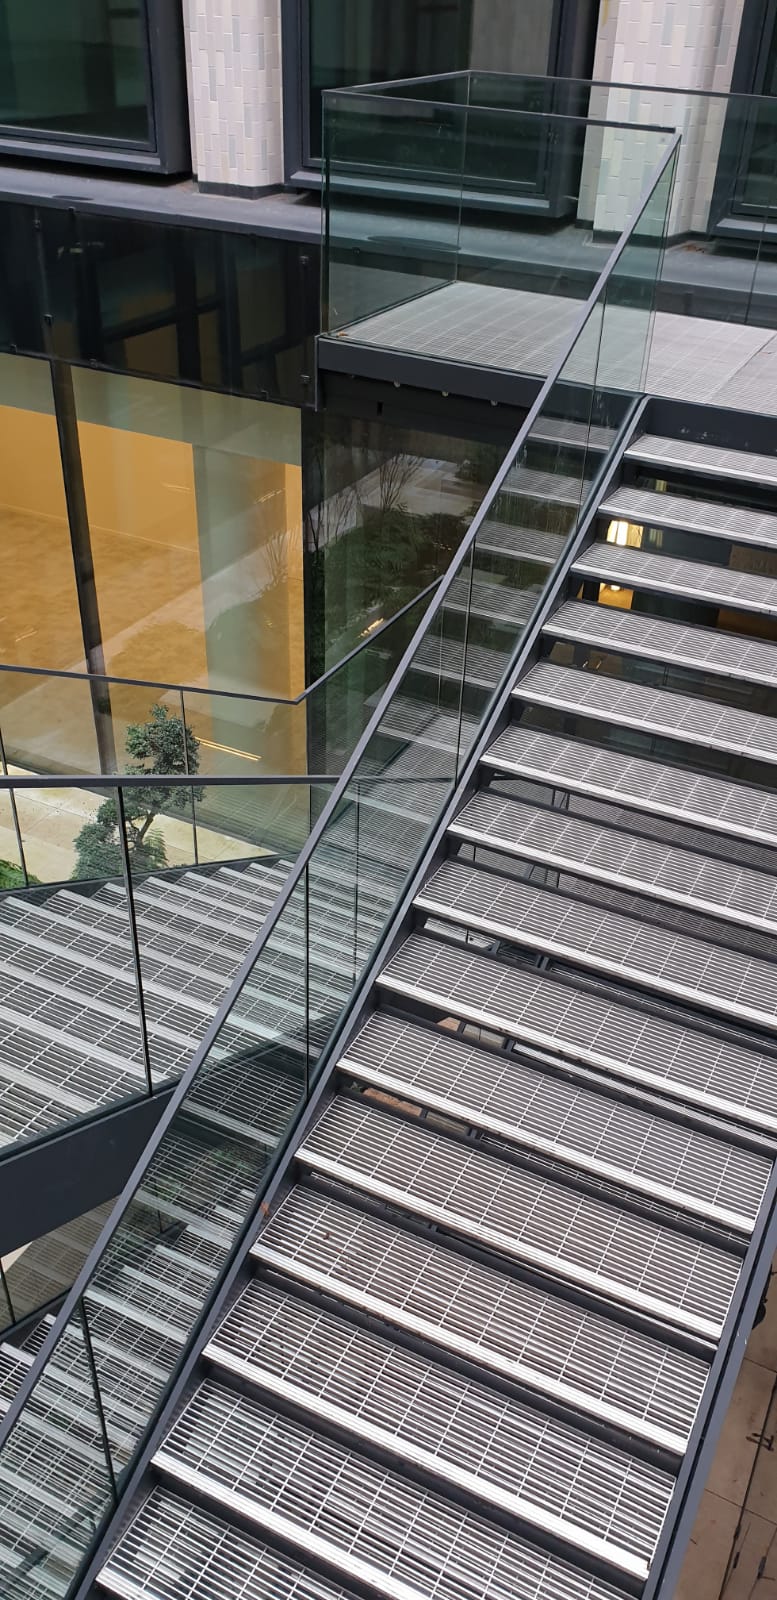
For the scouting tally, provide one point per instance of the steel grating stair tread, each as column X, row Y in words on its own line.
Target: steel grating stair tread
column 743, row 466
column 654, row 712
column 617, row 1255
column 693, row 580
column 733, row 1080
column 614, row 854
column 448, row 658
column 535, row 1467
column 579, row 435
column 633, row 781
column 551, row 488
column 519, row 543
column 173, row 1547
column 596, row 1133
column 599, row 1367
column 735, row 524
column 496, row 600
column 692, row 969
column 239, row 1454
column 674, row 644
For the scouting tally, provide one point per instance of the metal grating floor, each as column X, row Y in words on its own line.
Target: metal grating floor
column 328, row 1499
column 672, row 643
column 632, row 781
column 734, row 523
column 693, row 580
column 528, row 1461
column 173, row 1550
column 735, row 1080
column 617, row 855
column 561, row 1118
column 620, row 1255
column 508, row 1325
column 651, row 711
column 743, row 466
column 724, row 980
column 518, row 543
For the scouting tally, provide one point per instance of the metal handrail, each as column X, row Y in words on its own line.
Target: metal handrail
column 552, row 117
column 95, row 678
column 80, row 1287
column 548, row 81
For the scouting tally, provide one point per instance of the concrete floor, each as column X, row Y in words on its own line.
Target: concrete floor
column 520, row 330
column 732, row 1554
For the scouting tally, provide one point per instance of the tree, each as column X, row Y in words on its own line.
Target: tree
column 162, row 747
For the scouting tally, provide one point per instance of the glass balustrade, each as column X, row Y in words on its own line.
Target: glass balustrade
column 69, row 1438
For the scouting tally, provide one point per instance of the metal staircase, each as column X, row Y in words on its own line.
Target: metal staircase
column 470, row 1343
column 433, row 1281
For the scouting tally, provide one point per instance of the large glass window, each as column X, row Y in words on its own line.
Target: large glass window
column 75, row 68
column 195, row 512
column 371, row 41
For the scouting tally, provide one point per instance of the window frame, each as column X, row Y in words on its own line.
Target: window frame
column 167, row 148
column 730, row 214
column 572, row 41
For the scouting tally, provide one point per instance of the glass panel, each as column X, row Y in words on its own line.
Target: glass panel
column 385, row 511
column 12, row 866
column 76, row 70
column 195, row 509
column 6, row 1309
column 473, row 281
column 43, row 1270
column 84, row 1048
column 39, row 620
column 57, row 1480
column 201, row 1181
column 368, row 41
column 421, row 149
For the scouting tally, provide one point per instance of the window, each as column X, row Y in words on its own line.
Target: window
column 78, row 75
column 344, row 42
column 748, row 168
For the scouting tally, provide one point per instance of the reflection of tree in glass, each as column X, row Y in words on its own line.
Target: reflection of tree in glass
column 162, row 747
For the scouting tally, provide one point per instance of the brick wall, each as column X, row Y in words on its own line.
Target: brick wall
column 233, row 62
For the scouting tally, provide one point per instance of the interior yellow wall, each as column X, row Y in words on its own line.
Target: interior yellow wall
column 39, row 622
column 143, row 520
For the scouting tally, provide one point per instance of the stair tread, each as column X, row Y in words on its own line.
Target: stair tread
column 170, row 1540
column 566, row 1120
column 674, row 964
column 635, row 781
column 620, row 855
column 232, row 1445
column 620, row 1256
column 654, row 711
column 519, row 543
column 733, row 1079
column 517, row 1457
column 643, row 569
column 712, row 460
column 531, row 1333
column 735, row 524
column 674, row 644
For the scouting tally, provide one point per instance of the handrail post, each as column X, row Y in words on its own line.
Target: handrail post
column 133, row 933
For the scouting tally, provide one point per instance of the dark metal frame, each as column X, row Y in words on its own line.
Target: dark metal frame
column 167, row 149
column 277, row 1169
